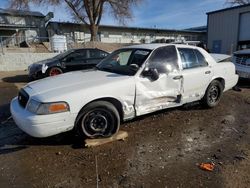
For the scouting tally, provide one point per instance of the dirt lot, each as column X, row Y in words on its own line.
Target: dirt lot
column 162, row 150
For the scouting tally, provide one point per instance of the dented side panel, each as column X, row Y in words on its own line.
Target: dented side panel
column 157, row 95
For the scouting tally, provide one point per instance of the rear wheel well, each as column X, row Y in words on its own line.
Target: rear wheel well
column 222, row 81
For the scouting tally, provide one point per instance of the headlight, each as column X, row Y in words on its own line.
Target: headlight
column 47, row 108
column 33, row 106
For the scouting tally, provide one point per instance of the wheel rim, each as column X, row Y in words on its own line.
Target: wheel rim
column 54, row 72
column 98, row 122
column 213, row 95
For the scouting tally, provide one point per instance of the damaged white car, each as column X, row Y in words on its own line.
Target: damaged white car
column 130, row 82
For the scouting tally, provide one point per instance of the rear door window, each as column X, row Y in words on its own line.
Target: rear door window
column 201, row 59
column 80, row 54
column 191, row 58
column 95, row 53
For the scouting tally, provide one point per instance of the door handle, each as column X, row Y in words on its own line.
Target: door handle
column 178, row 77
column 208, row 72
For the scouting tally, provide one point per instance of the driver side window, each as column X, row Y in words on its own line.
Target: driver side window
column 164, row 59
column 124, row 57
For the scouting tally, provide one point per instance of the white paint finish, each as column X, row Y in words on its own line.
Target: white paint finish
column 137, row 95
column 220, row 57
column 155, row 95
column 195, row 83
column 21, row 61
column 41, row 126
column 81, row 87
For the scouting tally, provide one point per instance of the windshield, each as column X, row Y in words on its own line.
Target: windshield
column 63, row 55
column 124, row 61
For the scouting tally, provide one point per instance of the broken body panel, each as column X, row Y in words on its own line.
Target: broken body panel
column 138, row 94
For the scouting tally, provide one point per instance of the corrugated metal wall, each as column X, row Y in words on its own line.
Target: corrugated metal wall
column 223, row 30
column 244, row 33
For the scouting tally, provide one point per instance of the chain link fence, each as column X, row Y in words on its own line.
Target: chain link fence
column 46, row 45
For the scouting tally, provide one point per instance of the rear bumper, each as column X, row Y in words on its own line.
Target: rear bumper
column 41, row 125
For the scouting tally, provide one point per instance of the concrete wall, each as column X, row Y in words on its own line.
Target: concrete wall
column 223, row 29
column 21, row 61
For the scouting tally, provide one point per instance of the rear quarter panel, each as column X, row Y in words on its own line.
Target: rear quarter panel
column 226, row 70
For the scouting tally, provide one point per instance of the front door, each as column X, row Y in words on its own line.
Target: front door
column 164, row 92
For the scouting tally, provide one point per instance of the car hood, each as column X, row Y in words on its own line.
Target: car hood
column 242, row 52
column 71, row 82
column 46, row 61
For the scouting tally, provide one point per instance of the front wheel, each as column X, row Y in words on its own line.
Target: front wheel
column 54, row 71
column 213, row 94
column 98, row 119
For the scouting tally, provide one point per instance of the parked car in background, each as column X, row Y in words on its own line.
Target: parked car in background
column 71, row 60
column 130, row 82
column 241, row 60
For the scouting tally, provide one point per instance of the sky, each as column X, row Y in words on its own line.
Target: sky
column 164, row 14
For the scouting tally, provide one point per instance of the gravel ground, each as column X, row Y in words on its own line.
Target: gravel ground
column 163, row 149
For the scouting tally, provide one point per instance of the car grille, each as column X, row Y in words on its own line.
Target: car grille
column 23, row 98
column 243, row 60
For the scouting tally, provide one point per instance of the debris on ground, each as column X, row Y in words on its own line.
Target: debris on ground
column 121, row 135
column 229, row 119
column 248, row 100
column 58, row 153
column 207, row 166
column 239, row 157
column 6, row 121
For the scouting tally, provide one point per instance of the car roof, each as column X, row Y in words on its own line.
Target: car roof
column 85, row 49
column 157, row 45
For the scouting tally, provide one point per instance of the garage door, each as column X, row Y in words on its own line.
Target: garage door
column 244, row 34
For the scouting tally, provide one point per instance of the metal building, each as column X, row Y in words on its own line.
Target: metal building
column 121, row 34
column 229, row 29
column 17, row 26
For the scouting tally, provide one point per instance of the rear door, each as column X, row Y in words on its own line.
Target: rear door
column 196, row 73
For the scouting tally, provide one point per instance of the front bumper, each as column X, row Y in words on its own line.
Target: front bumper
column 243, row 71
column 35, row 75
column 35, row 72
column 41, row 125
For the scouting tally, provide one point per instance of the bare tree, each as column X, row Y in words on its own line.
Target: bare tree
column 89, row 12
column 238, row 2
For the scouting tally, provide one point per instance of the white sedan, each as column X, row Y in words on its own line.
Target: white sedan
column 130, row 82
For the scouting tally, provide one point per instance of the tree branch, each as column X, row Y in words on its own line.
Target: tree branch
column 73, row 8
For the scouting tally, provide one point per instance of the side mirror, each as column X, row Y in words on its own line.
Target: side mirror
column 134, row 67
column 151, row 73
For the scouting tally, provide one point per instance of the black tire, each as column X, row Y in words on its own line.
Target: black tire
column 57, row 71
column 98, row 119
column 213, row 94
